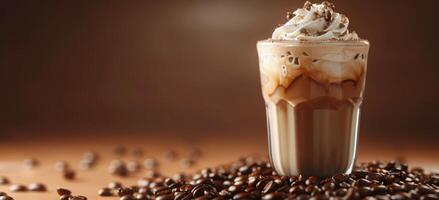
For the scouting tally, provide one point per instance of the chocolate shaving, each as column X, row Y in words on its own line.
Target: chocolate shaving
column 341, row 25
column 314, row 60
column 304, row 31
column 305, row 54
column 296, row 60
column 327, row 4
column 288, row 53
column 289, row 15
column 356, row 56
column 307, row 5
column 290, row 59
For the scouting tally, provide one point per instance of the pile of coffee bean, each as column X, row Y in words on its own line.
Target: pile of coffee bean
column 254, row 179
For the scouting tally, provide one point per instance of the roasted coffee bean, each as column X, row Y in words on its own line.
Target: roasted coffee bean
column 273, row 196
column 270, row 187
column 169, row 155
column 379, row 189
column 365, row 191
column 165, row 197
column 78, row 197
column 182, row 195
column 69, row 174
column 312, row 180
column 61, row 166
column 37, row 187
column 187, row 162
column 105, row 192
column 341, row 192
column 242, row 195
column 352, row 194
column 6, row 197
column 137, row 152
column 119, row 150
column 340, row 178
column 430, row 197
column 261, row 184
column 4, row 180
column 63, row 191
column 374, row 177
column 31, row 163
column 303, row 197
column 362, row 182
column 423, row 189
column 118, row 168
column 124, row 191
column 115, row 185
column 64, row 197
column 133, row 166
column 297, row 190
column 17, row 188
column 328, row 186
column 150, row 163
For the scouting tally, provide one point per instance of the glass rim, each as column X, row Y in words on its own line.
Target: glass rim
column 360, row 42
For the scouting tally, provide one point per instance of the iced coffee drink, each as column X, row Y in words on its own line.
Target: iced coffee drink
column 313, row 72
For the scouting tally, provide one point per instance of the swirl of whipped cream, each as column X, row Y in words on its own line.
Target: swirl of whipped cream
column 315, row 22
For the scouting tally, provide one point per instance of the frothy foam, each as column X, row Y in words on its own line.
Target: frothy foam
column 315, row 22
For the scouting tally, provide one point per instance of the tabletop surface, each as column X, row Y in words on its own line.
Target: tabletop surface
column 216, row 149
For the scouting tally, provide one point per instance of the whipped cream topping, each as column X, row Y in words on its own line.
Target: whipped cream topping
column 315, row 22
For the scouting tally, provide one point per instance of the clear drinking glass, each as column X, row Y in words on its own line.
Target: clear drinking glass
column 312, row 93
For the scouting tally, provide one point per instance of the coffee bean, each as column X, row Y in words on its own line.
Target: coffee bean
column 127, row 197
column 17, row 188
column 340, row 178
column 4, row 180
column 352, row 194
column 105, row 192
column 273, row 196
column 69, row 174
column 118, row 168
column 312, row 180
column 328, row 186
column 133, row 166
column 6, row 197
column 150, row 163
column 169, row 155
column 64, row 197
column 165, row 197
column 115, row 185
column 137, row 152
column 270, row 187
column 78, row 197
column 124, row 191
column 430, row 197
column 187, row 162
column 379, row 189
column 119, row 150
column 61, row 166
column 242, row 195
column 362, row 182
column 374, row 177
column 63, row 191
column 365, row 191
column 37, row 187
column 341, row 192
column 31, row 163
column 182, row 195
column 423, row 189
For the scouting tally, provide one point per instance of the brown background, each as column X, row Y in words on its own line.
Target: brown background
column 192, row 65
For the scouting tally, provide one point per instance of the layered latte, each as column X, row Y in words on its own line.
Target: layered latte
column 312, row 75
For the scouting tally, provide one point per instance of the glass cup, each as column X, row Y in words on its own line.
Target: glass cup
column 312, row 92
